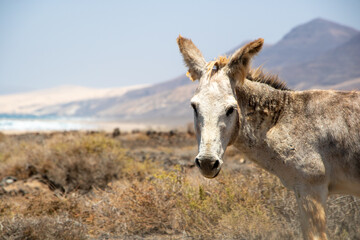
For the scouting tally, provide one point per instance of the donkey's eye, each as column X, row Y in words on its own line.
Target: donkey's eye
column 215, row 68
column 229, row 111
column 194, row 107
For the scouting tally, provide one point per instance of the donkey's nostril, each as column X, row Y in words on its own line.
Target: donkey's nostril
column 216, row 164
column 197, row 162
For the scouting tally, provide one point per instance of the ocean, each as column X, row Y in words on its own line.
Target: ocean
column 47, row 123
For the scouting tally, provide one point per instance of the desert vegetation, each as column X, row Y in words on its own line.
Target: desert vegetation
column 143, row 185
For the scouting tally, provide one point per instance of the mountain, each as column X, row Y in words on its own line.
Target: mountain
column 136, row 104
column 317, row 54
column 304, row 43
column 328, row 70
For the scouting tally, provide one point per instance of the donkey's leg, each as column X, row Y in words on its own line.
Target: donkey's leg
column 312, row 203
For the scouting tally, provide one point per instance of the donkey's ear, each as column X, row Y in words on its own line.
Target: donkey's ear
column 239, row 63
column 193, row 58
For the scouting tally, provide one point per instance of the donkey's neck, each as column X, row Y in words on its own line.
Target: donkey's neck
column 261, row 106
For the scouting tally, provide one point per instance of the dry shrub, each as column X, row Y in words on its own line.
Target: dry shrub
column 139, row 198
column 75, row 162
column 230, row 208
column 175, row 204
column 43, row 216
column 144, row 208
column 38, row 228
column 169, row 203
column 134, row 170
column 2, row 137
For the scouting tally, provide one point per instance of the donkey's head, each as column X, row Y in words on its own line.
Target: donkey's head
column 216, row 112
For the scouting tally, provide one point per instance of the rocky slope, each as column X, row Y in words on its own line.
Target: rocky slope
column 305, row 43
column 328, row 70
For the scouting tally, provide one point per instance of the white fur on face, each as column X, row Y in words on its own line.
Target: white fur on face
column 214, row 127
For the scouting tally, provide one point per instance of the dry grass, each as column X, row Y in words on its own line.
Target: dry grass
column 123, row 188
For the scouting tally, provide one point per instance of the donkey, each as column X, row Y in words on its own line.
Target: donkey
column 309, row 139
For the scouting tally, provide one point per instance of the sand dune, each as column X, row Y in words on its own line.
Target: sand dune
column 28, row 103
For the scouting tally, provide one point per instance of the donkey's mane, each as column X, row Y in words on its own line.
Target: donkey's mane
column 258, row 75
column 255, row 75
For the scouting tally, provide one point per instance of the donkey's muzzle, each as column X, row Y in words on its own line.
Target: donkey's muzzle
column 209, row 166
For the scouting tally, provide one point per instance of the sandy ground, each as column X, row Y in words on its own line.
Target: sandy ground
column 127, row 127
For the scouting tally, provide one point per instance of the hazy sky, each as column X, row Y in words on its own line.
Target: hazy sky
column 119, row 43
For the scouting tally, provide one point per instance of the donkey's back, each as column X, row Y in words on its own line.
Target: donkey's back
column 325, row 130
